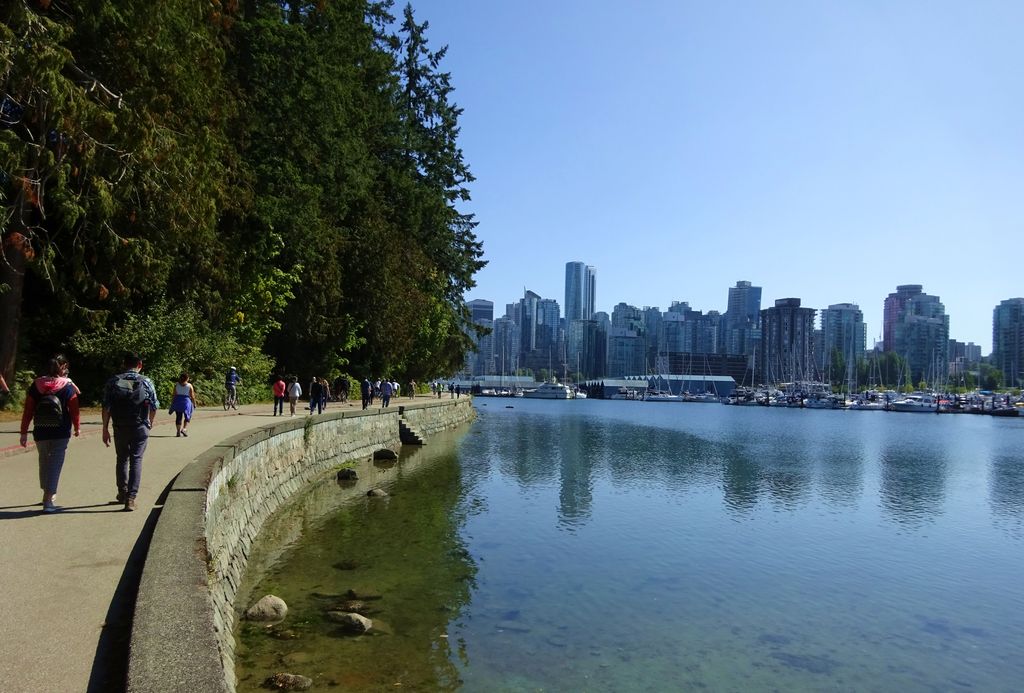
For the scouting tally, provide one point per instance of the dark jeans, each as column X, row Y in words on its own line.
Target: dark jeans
column 316, row 403
column 129, row 446
column 278, row 406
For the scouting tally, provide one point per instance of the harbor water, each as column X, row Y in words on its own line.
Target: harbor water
column 591, row 545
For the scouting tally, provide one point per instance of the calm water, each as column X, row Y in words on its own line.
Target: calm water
column 621, row 546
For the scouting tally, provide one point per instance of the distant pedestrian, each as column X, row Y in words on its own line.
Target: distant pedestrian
column 183, row 404
column 325, row 393
column 280, row 390
column 316, row 392
column 451, row 390
column 129, row 401
column 385, row 394
column 458, row 391
column 412, row 389
column 294, row 392
column 365, row 389
column 51, row 404
column 440, row 389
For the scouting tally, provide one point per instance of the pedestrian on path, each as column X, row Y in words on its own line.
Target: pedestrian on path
column 183, row 404
column 385, row 394
column 129, row 401
column 365, row 388
column 294, row 392
column 279, row 388
column 5, row 392
column 316, row 392
column 52, row 406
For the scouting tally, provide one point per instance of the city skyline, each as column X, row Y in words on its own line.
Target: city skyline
column 823, row 151
column 874, row 332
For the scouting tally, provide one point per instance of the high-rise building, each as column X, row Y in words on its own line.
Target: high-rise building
column 627, row 317
column 548, row 326
column 506, row 343
column 1008, row 340
column 580, row 291
column 742, row 319
column 580, row 296
column 481, row 309
column 625, row 353
column 528, row 320
column 842, row 330
column 786, row 351
column 921, row 336
column 892, row 309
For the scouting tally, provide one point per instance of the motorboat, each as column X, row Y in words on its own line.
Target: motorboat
column 663, row 397
column 550, row 390
column 921, row 402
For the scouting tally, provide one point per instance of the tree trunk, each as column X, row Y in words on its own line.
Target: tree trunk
column 13, row 262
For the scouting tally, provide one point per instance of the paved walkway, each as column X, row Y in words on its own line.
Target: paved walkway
column 69, row 579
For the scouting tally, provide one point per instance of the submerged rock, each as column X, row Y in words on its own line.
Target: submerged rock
column 385, row 454
column 347, row 474
column 350, row 622
column 288, row 682
column 270, row 608
column 377, row 493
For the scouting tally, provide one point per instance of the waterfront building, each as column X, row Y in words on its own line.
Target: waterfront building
column 892, row 310
column 1008, row 340
column 741, row 323
column 842, row 330
column 786, row 350
column 921, row 336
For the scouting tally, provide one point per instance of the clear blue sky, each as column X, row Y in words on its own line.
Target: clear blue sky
column 821, row 150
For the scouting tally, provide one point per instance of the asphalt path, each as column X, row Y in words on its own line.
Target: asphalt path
column 69, row 578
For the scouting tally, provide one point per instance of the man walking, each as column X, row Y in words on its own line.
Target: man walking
column 129, row 401
column 364, row 390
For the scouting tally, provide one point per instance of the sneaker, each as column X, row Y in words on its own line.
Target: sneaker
column 122, row 496
column 49, row 507
column 178, row 434
column 129, row 505
column 184, row 433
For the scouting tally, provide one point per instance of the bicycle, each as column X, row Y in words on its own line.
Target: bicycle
column 231, row 398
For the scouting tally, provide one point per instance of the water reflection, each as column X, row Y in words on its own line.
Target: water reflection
column 1006, row 491
column 556, row 525
column 912, row 484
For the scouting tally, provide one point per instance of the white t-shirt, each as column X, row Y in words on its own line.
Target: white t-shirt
column 295, row 390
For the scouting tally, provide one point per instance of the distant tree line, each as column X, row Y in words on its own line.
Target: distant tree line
column 267, row 184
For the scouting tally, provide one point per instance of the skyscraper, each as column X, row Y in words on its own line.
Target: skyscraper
column 787, row 342
column 843, row 330
column 921, row 336
column 742, row 318
column 892, row 309
column 1008, row 340
column 481, row 309
column 580, row 291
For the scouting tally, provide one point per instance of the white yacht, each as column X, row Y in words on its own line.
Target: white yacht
column 551, row 390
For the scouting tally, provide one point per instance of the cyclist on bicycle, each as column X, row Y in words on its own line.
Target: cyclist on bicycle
column 231, row 382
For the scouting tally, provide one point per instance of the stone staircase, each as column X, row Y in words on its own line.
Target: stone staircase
column 409, row 435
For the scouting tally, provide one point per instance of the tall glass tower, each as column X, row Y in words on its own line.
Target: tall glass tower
column 580, row 291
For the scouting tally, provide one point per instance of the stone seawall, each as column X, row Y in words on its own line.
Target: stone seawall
column 184, row 614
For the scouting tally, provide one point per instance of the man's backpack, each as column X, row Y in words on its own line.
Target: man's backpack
column 49, row 411
column 126, row 401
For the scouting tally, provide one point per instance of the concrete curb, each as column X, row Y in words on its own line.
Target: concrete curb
column 177, row 641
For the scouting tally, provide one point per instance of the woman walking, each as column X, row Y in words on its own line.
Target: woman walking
column 183, row 404
column 52, row 407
